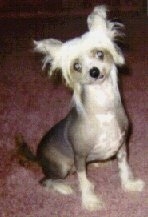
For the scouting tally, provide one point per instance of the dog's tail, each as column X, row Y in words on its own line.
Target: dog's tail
column 23, row 150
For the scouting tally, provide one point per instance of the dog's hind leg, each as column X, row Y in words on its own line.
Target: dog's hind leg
column 55, row 174
column 128, row 182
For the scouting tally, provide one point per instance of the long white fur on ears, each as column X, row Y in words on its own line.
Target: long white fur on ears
column 51, row 48
column 97, row 20
column 45, row 46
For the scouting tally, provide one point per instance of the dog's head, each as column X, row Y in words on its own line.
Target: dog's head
column 88, row 59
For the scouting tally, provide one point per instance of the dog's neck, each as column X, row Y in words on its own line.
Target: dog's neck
column 98, row 98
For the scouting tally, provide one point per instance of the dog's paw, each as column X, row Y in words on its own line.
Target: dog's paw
column 58, row 186
column 100, row 164
column 134, row 185
column 63, row 188
column 92, row 202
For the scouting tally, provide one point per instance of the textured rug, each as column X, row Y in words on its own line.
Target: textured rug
column 30, row 103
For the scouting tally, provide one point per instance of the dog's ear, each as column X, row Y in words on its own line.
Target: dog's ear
column 51, row 48
column 97, row 19
column 118, row 56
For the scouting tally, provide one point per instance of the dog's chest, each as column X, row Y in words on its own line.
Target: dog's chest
column 109, row 137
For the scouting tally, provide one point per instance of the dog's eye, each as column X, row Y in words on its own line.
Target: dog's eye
column 100, row 55
column 77, row 67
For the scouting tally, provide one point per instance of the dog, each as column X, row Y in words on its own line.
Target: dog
column 96, row 127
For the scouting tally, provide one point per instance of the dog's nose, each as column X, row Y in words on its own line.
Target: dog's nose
column 94, row 72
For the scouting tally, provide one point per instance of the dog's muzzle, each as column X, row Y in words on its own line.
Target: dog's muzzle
column 95, row 73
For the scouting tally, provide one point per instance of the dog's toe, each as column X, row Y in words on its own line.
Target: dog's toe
column 92, row 203
column 134, row 185
column 58, row 186
column 63, row 188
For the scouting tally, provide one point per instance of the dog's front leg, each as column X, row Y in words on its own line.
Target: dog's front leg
column 89, row 200
column 128, row 182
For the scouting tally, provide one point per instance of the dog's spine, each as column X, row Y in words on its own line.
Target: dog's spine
column 23, row 149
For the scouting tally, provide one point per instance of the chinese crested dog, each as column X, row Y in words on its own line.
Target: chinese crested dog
column 96, row 127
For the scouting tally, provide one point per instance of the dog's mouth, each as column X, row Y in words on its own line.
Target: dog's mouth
column 101, row 76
